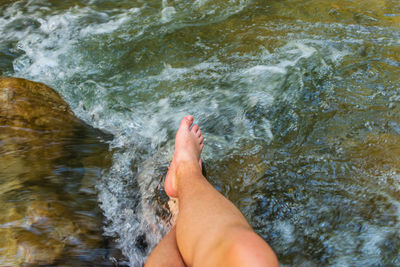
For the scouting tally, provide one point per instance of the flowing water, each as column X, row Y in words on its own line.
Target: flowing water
column 298, row 102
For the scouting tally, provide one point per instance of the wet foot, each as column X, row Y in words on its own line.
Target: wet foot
column 188, row 147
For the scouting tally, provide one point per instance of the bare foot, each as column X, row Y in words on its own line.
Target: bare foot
column 188, row 147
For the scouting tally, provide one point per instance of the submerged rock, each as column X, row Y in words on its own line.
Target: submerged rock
column 33, row 109
column 48, row 214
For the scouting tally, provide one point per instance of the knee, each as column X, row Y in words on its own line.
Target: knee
column 246, row 248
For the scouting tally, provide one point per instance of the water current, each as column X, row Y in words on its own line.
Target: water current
column 298, row 102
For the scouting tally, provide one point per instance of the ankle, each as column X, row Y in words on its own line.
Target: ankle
column 186, row 173
column 187, row 169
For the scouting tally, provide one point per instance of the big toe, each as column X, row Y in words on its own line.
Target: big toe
column 186, row 122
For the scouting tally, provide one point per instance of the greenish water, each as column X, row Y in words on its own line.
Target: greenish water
column 298, row 102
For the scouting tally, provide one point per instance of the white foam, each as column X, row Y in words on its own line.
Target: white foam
column 286, row 230
column 111, row 24
column 167, row 14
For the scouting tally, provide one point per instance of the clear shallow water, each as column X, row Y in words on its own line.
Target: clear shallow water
column 298, row 103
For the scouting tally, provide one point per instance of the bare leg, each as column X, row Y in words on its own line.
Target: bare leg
column 210, row 231
column 166, row 253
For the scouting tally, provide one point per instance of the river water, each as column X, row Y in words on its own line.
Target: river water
column 298, row 102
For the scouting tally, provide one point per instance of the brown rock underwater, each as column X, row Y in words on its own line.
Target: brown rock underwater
column 49, row 162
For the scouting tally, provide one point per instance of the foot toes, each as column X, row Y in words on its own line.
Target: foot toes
column 186, row 121
column 201, row 139
column 195, row 128
column 201, row 146
column 198, row 134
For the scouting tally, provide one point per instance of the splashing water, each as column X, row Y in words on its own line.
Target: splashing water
column 297, row 103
